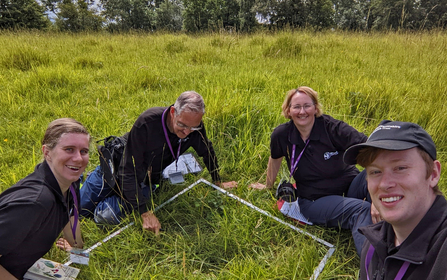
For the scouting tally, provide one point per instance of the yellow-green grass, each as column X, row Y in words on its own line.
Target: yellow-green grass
column 105, row 81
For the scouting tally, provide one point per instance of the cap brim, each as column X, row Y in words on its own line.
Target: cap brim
column 350, row 156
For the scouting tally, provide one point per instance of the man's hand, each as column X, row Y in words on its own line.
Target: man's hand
column 150, row 222
column 375, row 215
column 228, row 185
column 258, row 186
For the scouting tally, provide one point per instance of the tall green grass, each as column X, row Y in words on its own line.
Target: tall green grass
column 105, row 81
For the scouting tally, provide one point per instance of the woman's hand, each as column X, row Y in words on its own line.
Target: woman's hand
column 63, row 244
column 258, row 186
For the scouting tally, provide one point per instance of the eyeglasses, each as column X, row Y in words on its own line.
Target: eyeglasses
column 306, row 107
column 192, row 128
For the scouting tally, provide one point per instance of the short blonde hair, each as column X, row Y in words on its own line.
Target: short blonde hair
column 61, row 126
column 304, row 90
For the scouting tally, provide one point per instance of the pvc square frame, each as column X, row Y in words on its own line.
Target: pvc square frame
column 317, row 270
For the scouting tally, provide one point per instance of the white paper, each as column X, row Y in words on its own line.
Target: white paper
column 292, row 210
column 44, row 269
column 79, row 256
column 186, row 163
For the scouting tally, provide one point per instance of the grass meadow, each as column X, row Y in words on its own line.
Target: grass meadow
column 105, row 81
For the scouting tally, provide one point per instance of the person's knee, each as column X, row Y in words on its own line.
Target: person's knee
column 110, row 211
column 358, row 187
column 362, row 217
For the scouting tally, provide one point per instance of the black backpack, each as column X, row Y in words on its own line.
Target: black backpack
column 110, row 157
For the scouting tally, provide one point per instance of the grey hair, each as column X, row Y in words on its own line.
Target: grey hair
column 189, row 101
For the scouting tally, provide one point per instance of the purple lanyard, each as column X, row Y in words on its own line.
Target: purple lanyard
column 167, row 138
column 368, row 258
column 293, row 162
column 76, row 213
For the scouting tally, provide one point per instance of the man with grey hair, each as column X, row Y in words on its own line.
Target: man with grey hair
column 158, row 137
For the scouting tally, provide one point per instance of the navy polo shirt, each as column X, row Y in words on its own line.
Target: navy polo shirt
column 33, row 213
column 321, row 170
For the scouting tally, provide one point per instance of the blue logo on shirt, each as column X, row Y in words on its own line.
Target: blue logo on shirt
column 328, row 155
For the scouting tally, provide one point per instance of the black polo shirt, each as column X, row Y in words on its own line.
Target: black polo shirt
column 321, row 170
column 33, row 213
column 147, row 150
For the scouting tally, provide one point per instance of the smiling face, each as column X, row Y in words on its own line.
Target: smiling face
column 184, row 123
column 302, row 110
column 69, row 158
column 399, row 187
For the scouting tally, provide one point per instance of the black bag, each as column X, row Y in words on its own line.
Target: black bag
column 110, row 157
column 286, row 192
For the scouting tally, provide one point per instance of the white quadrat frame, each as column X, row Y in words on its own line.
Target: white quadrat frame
column 317, row 270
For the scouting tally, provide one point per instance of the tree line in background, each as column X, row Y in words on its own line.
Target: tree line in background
column 213, row 15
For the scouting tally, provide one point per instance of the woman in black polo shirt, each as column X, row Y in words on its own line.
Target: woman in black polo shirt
column 34, row 211
column 313, row 145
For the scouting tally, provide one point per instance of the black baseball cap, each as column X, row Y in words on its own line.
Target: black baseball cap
column 394, row 136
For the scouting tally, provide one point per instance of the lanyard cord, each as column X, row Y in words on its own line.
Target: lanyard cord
column 368, row 258
column 293, row 162
column 76, row 213
column 167, row 138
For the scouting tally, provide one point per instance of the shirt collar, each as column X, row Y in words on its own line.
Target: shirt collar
column 415, row 247
column 315, row 134
column 52, row 183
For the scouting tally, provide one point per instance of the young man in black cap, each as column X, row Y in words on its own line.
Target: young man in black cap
column 403, row 174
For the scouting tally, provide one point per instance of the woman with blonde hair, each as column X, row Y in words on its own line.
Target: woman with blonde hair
column 35, row 210
column 313, row 145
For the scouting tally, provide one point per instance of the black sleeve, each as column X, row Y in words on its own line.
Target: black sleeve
column 278, row 142
column 204, row 148
column 362, row 274
column 17, row 220
column 344, row 136
column 133, row 168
